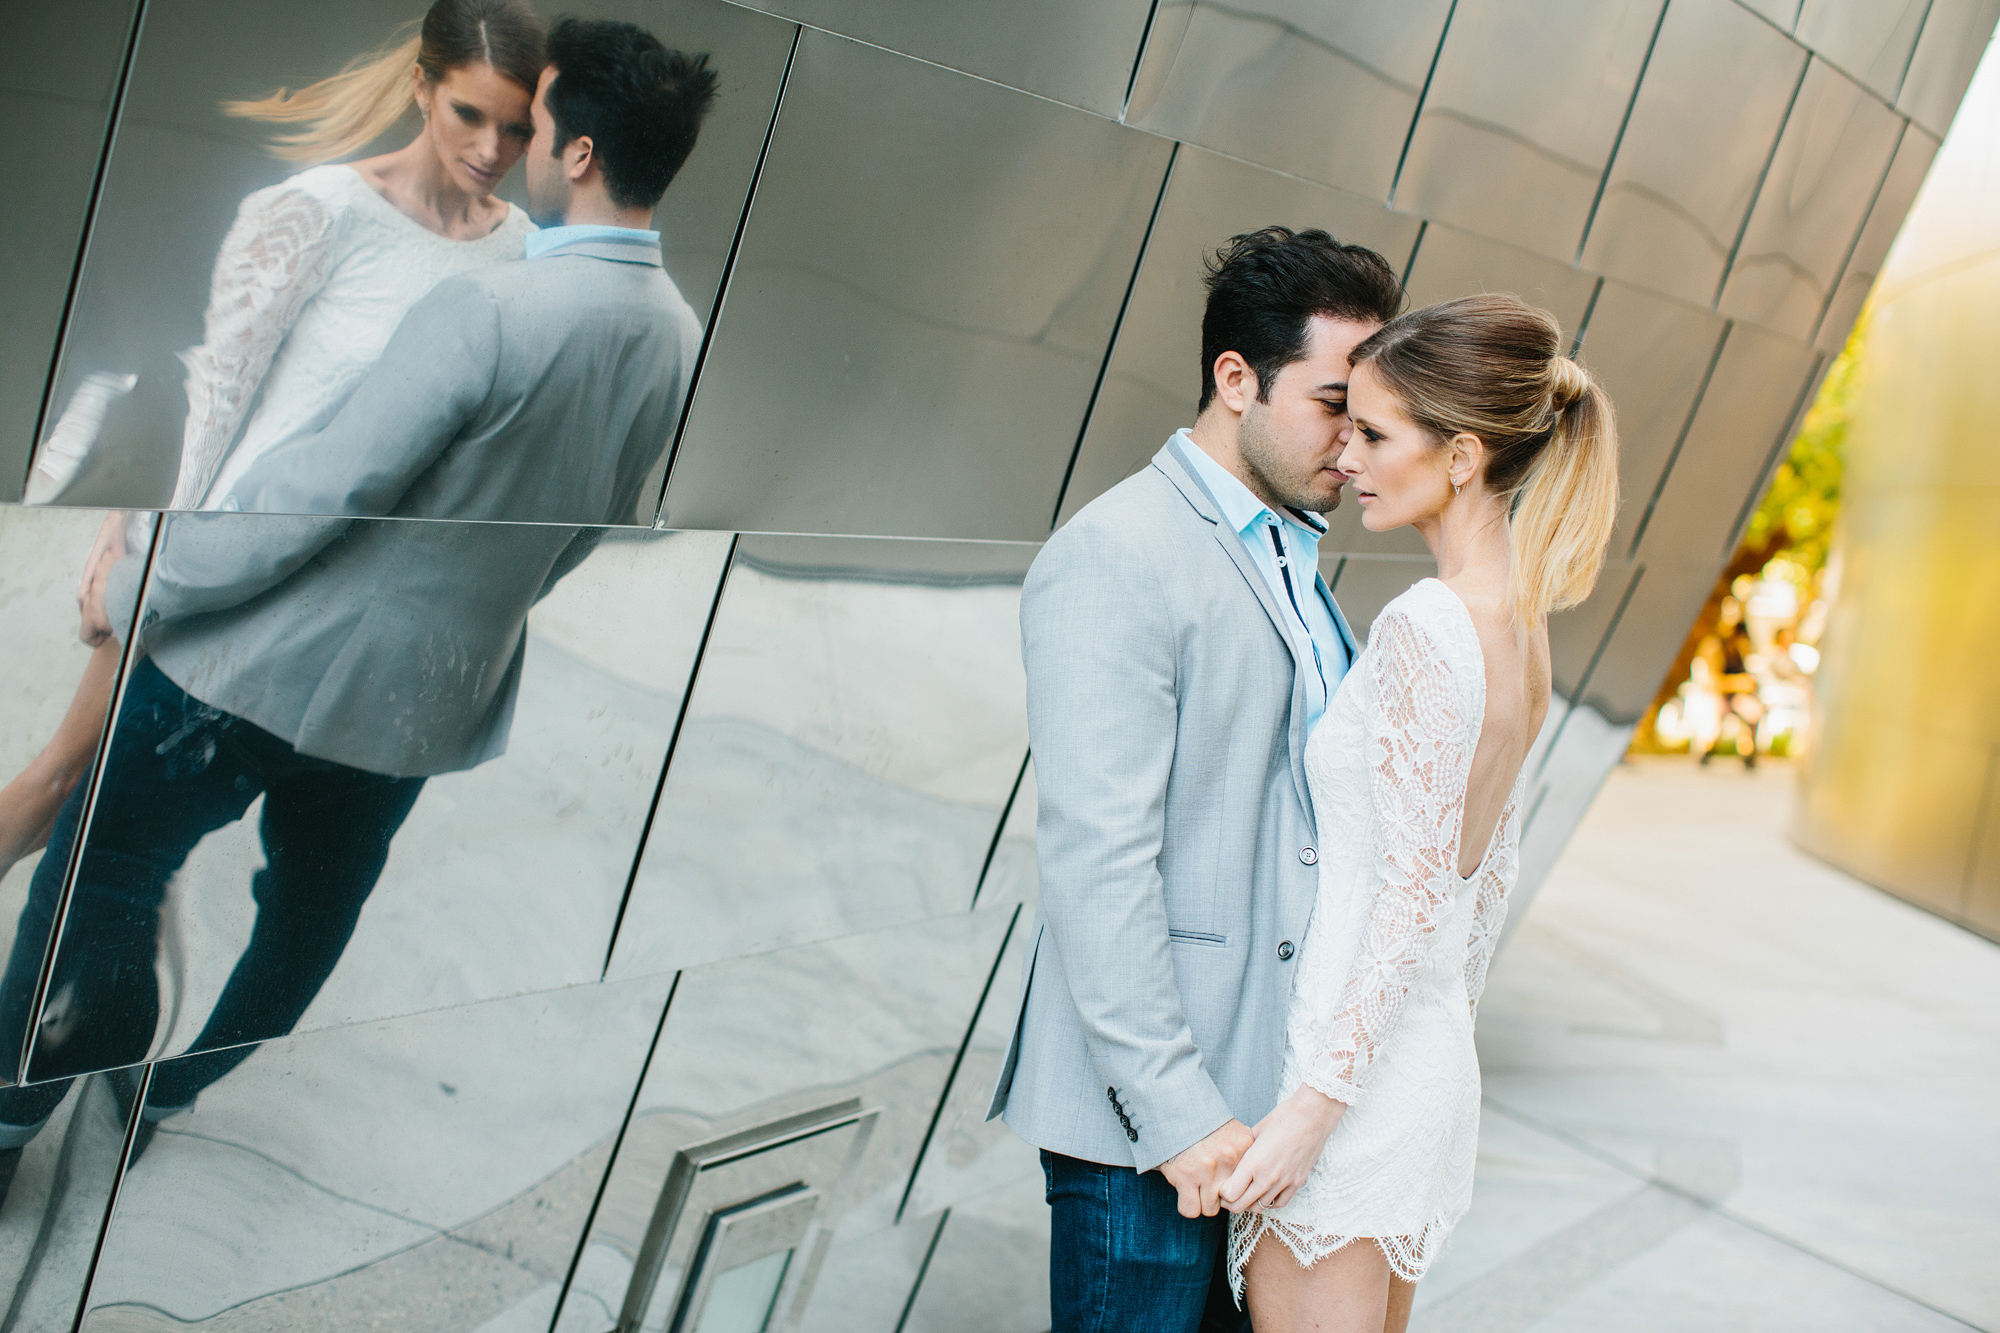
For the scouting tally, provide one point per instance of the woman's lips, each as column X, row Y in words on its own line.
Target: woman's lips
column 480, row 174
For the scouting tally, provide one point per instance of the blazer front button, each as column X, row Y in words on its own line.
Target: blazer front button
column 1285, row 951
column 1309, row 856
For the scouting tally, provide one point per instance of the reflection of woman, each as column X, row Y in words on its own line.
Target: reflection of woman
column 1473, row 427
column 314, row 276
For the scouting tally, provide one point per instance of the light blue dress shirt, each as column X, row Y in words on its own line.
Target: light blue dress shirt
column 1308, row 618
column 541, row 242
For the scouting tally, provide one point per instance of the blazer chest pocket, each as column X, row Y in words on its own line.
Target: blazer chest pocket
column 1207, row 941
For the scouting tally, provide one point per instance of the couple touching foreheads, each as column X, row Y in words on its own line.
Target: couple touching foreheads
column 1274, row 861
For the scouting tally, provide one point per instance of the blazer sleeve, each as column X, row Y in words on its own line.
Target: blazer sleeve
column 430, row 382
column 1101, row 660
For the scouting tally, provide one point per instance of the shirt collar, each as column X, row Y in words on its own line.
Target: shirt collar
column 552, row 238
column 1239, row 504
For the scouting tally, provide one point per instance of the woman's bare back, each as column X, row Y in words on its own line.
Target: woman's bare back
column 1517, row 700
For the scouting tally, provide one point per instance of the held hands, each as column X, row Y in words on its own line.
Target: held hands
column 108, row 551
column 1288, row 1143
column 1198, row 1170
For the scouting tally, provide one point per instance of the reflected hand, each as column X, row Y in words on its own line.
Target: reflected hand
column 108, row 550
column 1288, row 1144
column 1197, row 1171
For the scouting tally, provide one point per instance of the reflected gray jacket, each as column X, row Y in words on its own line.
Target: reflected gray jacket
column 543, row 393
column 1166, row 713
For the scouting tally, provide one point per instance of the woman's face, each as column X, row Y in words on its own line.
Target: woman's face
column 1395, row 470
column 476, row 120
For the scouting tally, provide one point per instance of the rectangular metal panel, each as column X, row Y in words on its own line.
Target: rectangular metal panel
column 1575, row 635
column 59, row 67
column 1981, row 905
column 60, row 1186
column 434, row 1172
column 1451, row 263
column 930, row 276
column 507, row 874
column 1784, row 13
column 1522, row 116
column 1836, row 145
column 181, row 168
column 854, row 732
column 989, row 1272
column 1368, row 583
column 1651, row 356
column 1749, row 401
column 1955, row 36
column 1870, row 39
column 1153, row 380
column 1321, row 91
column 1079, row 54
column 1892, row 204
column 877, row 1016
column 1012, row 874
column 1575, row 766
column 1689, row 161
column 1638, row 652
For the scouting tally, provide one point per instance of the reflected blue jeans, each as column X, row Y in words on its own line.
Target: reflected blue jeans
column 1123, row 1260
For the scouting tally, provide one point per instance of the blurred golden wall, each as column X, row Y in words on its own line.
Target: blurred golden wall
column 1902, row 783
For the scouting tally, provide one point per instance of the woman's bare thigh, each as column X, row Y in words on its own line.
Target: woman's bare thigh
column 1352, row 1290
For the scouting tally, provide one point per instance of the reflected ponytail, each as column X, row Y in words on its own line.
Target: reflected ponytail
column 345, row 112
column 1492, row 366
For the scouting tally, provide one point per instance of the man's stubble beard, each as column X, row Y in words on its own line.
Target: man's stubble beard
column 1258, row 449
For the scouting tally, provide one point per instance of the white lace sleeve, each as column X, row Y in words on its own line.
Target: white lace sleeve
column 274, row 259
column 1489, row 910
column 1418, row 765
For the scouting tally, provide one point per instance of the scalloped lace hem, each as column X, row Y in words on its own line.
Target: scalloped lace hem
column 1408, row 1256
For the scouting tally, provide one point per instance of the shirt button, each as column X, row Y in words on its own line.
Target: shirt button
column 1309, row 856
column 1285, row 951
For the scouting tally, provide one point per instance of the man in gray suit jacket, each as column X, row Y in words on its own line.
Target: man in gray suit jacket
column 331, row 665
column 1179, row 645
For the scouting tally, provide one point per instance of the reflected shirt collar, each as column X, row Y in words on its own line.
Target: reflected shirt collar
column 551, row 238
column 1240, row 507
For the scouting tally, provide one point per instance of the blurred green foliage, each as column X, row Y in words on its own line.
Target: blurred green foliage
column 1798, row 511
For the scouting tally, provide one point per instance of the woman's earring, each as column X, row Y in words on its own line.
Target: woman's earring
column 1454, row 488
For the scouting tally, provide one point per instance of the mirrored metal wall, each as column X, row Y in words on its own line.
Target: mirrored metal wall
column 553, row 850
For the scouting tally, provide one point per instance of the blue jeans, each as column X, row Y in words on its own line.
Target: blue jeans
column 1123, row 1260
column 176, row 771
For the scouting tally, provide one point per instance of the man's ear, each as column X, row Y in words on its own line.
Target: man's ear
column 1235, row 382
column 578, row 157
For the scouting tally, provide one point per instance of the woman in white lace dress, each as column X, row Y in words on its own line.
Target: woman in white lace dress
column 313, row 278
column 1473, row 427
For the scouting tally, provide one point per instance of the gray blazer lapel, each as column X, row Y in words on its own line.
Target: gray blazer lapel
column 1170, row 462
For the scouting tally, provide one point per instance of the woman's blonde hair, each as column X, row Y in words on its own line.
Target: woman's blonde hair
column 1493, row 366
column 351, row 109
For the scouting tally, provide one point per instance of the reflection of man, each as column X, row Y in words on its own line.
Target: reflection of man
column 1179, row 646
column 329, row 666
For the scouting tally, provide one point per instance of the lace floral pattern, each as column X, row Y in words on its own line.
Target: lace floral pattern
column 1395, row 957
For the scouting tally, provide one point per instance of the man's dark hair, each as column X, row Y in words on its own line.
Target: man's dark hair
column 639, row 103
column 1264, row 285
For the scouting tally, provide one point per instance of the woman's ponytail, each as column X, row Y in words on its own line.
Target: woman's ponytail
column 344, row 112
column 1565, row 509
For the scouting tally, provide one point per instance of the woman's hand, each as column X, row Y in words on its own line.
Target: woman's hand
column 1288, row 1143
column 107, row 551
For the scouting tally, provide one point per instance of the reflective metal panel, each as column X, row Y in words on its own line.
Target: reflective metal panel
column 1522, row 116
column 433, row 1173
column 306, row 817
column 1870, row 39
column 854, row 733
column 1954, row 37
column 1012, row 875
column 1784, row 13
column 1837, row 143
column 918, row 370
column 1642, row 645
column 867, row 1278
column 1575, row 764
column 1322, row 91
column 1892, row 203
column 181, row 169
column 59, row 70
column 1367, row 583
column 1576, row 635
column 747, row 1042
column 1451, row 263
column 1750, row 399
column 1154, row 377
column 989, row 1272
column 1689, row 161
column 56, row 1180
column 1079, row 54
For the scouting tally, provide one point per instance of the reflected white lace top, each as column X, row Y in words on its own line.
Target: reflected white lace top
column 312, row 278
column 1394, row 959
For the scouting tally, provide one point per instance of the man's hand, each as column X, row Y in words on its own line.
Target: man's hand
column 1289, row 1142
column 1199, row 1170
column 106, row 552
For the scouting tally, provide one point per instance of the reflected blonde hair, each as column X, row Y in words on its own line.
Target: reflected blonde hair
column 349, row 110
column 1493, row 366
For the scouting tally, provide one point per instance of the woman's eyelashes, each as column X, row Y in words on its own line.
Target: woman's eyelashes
column 1370, row 434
